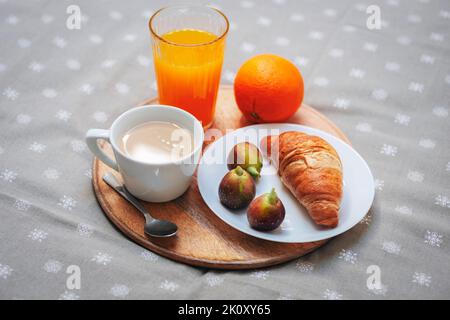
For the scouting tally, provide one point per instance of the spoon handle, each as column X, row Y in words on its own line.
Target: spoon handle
column 111, row 180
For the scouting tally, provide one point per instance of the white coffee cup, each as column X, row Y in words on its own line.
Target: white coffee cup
column 150, row 181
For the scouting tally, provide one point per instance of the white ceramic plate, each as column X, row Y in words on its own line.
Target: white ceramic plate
column 297, row 226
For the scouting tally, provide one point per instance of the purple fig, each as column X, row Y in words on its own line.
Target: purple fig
column 246, row 155
column 266, row 212
column 237, row 189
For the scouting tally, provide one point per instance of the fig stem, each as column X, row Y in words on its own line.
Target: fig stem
column 253, row 171
column 272, row 197
column 239, row 171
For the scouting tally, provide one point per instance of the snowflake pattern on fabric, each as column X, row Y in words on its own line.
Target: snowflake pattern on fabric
column 442, row 201
column 331, row 295
column 67, row 202
column 119, row 290
column 85, row 229
column 8, row 175
column 22, row 205
column 391, row 247
column 168, row 285
column 260, row 274
column 214, row 280
column 38, row 235
column 348, row 256
column 5, row 271
column 421, row 279
column 304, row 267
column 149, row 256
column 53, row 266
column 51, row 174
column 69, row 295
column 433, row 238
column 102, row 258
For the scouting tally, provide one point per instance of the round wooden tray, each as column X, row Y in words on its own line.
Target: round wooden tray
column 203, row 239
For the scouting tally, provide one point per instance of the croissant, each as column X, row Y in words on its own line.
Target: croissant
column 311, row 169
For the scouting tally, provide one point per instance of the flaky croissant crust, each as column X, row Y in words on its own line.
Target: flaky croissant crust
column 311, row 169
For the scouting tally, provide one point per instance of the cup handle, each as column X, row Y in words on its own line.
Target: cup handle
column 91, row 140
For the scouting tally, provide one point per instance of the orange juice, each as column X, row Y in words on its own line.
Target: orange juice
column 188, row 64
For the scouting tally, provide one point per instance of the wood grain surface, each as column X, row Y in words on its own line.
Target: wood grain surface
column 203, row 239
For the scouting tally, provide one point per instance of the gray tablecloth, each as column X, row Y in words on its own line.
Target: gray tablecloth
column 387, row 89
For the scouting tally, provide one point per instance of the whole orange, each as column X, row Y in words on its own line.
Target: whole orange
column 268, row 88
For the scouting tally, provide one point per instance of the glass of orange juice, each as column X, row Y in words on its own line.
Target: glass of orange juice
column 188, row 48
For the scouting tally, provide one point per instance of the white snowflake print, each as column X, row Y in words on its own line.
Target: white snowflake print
column 37, row 147
column 379, row 291
column 433, row 238
column 392, row 66
column 22, row 205
column 403, row 210
column 46, row 18
column 68, row 295
column 115, row 15
column 379, row 94
column 370, row 46
column 8, row 175
column 336, row 53
column 87, row 88
column 53, row 266
column 341, row 103
column 149, row 256
column 416, row 87
column 440, row 112
column 357, row 73
column 2, row 67
column 37, row 235
column 51, row 174
column 285, row 297
column 296, row 17
column 264, row 21
column 379, row 184
column 12, row 20
column 331, row 295
column 88, row 173
column 67, row 202
column 301, row 61
column 100, row 116
column 5, row 271
column 36, row 66
column 229, row 75
column 122, row 88
column 421, row 279
column 321, row 82
column 95, row 38
column 437, row 36
column 364, row 127
column 78, row 145
column 23, row 119
column 402, row 119
column 447, row 167
column 144, row 60
column 391, row 247
column 102, row 258
column 10, row 93
column 119, row 290
column 415, row 176
column 247, row 47
column 427, row 59
column 60, row 42
column 404, row 40
column 282, row 41
column 260, row 274
column 214, row 280
column 63, row 115
column 389, row 150
column 348, row 256
column 427, row 143
column 73, row 64
column 304, row 267
column 168, row 285
column 49, row 93
column 109, row 63
column 367, row 219
column 247, row 4
column 85, row 229
column 23, row 43
column 442, row 201
column 315, row 35
column 444, row 14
